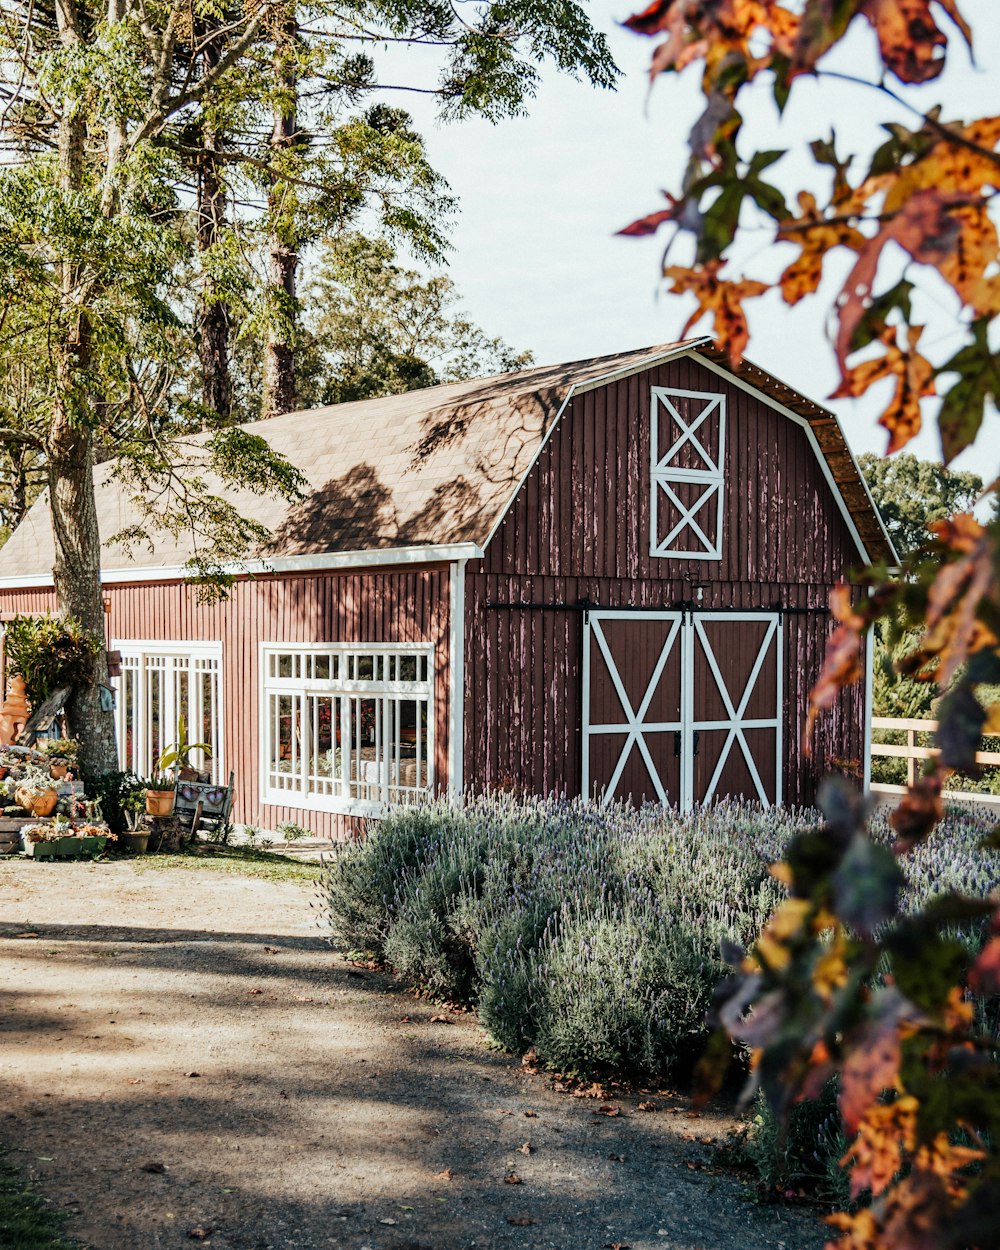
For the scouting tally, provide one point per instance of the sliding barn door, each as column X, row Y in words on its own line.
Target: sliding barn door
column 632, row 668
column 682, row 708
column 735, row 706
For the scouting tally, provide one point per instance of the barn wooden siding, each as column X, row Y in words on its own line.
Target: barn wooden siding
column 580, row 530
column 401, row 605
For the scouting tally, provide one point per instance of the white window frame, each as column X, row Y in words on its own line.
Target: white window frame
column 176, row 655
column 662, row 473
column 387, row 691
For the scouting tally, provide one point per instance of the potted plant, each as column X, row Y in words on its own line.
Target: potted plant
column 159, row 796
column 135, row 839
column 61, row 754
column 177, row 756
column 34, row 792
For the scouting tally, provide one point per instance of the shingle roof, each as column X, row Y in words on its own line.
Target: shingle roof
column 430, row 467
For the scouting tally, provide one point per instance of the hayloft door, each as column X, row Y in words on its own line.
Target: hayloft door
column 680, row 708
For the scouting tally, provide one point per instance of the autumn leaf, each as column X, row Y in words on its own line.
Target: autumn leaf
column 923, row 227
column 656, row 17
column 512, row 1178
column 866, row 885
column 953, row 599
column 816, row 237
column 885, row 1134
column 842, row 665
column 918, row 812
column 649, row 224
column 914, row 375
column 961, row 718
column 872, row 1062
column 720, row 298
column 911, row 43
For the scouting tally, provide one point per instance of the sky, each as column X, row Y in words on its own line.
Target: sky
column 535, row 255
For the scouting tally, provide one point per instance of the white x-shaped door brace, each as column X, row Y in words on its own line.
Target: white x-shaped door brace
column 737, row 720
column 635, row 725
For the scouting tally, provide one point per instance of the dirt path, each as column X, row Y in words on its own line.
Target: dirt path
column 181, row 1051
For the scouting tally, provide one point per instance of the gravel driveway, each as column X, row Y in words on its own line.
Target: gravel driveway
column 184, row 1061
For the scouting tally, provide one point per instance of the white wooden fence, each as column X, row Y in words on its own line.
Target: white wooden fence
column 910, row 751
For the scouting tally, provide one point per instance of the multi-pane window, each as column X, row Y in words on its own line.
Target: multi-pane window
column 346, row 727
column 161, row 685
column 687, row 452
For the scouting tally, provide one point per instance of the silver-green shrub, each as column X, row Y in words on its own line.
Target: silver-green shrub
column 591, row 934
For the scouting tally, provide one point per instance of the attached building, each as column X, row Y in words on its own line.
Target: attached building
column 608, row 577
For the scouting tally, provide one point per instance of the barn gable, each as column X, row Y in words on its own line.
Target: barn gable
column 649, row 655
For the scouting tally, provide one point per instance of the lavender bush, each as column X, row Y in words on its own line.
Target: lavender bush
column 591, row 934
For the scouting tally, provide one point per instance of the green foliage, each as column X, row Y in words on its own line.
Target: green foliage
column 910, row 494
column 178, row 754
column 801, row 1157
column 592, row 935
column 118, row 794
column 49, row 651
column 371, row 327
column 292, row 832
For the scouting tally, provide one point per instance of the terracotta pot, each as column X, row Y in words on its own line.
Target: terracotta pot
column 58, row 771
column 159, row 802
column 38, row 804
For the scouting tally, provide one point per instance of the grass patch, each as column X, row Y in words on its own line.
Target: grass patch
column 244, row 861
column 26, row 1220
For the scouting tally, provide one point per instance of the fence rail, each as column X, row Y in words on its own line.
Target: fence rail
column 909, row 750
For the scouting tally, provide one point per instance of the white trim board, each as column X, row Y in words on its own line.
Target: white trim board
column 312, row 562
column 456, row 678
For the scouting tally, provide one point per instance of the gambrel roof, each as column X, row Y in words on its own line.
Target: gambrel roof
column 430, row 471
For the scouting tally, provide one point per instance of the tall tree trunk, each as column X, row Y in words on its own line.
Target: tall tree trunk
column 283, row 244
column 213, row 317
column 70, row 455
column 213, row 313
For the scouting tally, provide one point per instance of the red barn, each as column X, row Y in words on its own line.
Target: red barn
column 608, row 577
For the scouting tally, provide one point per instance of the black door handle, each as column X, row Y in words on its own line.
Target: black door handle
column 694, row 744
column 677, row 743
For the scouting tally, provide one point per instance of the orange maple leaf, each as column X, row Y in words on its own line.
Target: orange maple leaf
column 816, row 237
column 914, row 376
column 953, row 630
column 720, row 298
column 886, row 1134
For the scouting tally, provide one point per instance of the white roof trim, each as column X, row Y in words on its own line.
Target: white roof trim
column 591, row 384
column 312, row 562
